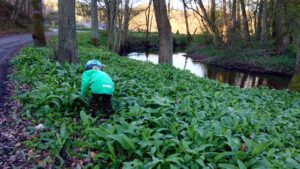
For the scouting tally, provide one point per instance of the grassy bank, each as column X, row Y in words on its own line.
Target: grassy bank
column 137, row 41
column 255, row 60
column 164, row 117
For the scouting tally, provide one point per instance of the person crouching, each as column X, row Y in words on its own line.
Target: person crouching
column 101, row 86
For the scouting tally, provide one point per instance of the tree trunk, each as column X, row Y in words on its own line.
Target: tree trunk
column 224, row 21
column 124, row 35
column 111, row 12
column 213, row 12
column 67, row 32
column 164, row 32
column 245, row 22
column 189, row 36
column 95, row 26
column 38, row 34
column 278, row 34
column 297, row 67
column 211, row 25
column 263, row 37
column 295, row 83
column 238, row 15
column 259, row 20
column 16, row 10
column 233, row 26
column 148, row 27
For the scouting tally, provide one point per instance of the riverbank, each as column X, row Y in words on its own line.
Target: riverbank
column 164, row 117
column 137, row 42
column 254, row 61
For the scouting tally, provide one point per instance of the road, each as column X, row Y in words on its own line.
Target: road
column 12, row 126
column 9, row 46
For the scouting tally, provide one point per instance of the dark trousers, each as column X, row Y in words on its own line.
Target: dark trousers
column 106, row 104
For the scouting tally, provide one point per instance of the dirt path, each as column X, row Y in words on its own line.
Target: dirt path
column 12, row 126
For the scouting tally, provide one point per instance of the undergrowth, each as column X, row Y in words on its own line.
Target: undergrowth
column 164, row 117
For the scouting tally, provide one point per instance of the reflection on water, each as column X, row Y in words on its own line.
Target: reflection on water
column 232, row 77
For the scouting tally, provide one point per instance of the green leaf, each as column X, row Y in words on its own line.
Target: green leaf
column 222, row 155
column 63, row 130
column 84, row 118
column 293, row 163
column 126, row 142
column 153, row 163
column 241, row 164
column 227, row 166
column 260, row 147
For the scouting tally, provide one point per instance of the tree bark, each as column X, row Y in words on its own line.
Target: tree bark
column 233, row 26
column 164, row 32
column 211, row 25
column 148, row 25
column 111, row 12
column 238, row 15
column 259, row 20
column 245, row 22
column 224, row 21
column 213, row 12
column 16, row 10
column 95, row 26
column 189, row 36
column 38, row 34
column 280, row 43
column 124, row 35
column 67, row 32
column 263, row 37
column 297, row 67
column 295, row 82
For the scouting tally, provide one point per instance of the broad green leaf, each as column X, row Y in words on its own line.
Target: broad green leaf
column 84, row 118
column 227, row 166
column 260, row 147
column 241, row 164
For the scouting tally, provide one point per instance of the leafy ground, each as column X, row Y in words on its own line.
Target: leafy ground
column 164, row 117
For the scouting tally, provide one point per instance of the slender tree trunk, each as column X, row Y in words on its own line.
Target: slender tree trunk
column 245, row 22
column 297, row 67
column 263, row 37
column 211, row 25
column 233, row 26
column 148, row 19
column 16, row 10
column 280, row 41
column 38, row 34
column 295, row 82
column 164, row 32
column 259, row 20
column 28, row 8
column 124, row 35
column 238, row 15
column 111, row 12
column 95, row 25
column 67, row 32
column 225, row 21
column 189, row 36
column 230, row 7
column 117, row 29
column 213, row 12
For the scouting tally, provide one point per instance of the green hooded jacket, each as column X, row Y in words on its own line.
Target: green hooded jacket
column 98, row 81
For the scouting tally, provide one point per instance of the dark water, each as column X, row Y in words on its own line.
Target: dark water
column 232, row 77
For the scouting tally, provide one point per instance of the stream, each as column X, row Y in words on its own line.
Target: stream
column 232, row 77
